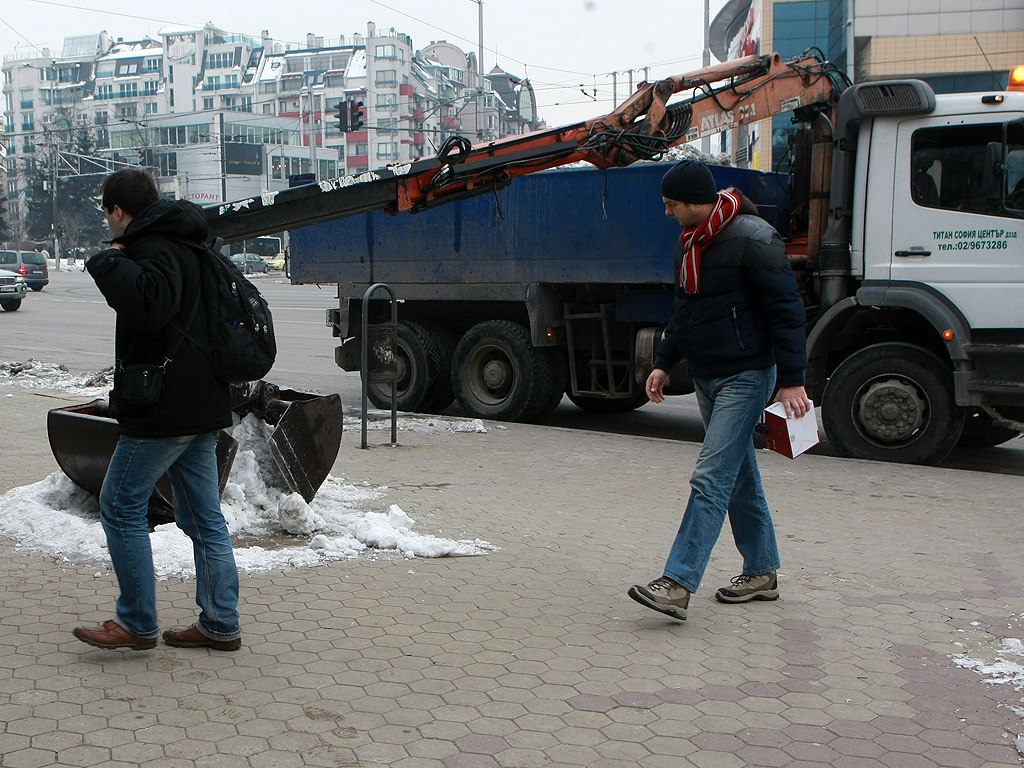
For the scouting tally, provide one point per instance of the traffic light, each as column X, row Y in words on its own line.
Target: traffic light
column 355, row 115
column 341, row 112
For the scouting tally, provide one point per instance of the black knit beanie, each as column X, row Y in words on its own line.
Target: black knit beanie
column 689, row 181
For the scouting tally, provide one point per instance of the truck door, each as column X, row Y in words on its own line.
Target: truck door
column 947, row 232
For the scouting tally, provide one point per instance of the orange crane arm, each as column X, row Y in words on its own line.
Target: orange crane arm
column 643, row 127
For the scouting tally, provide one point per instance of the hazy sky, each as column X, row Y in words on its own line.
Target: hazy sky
column 567, row 48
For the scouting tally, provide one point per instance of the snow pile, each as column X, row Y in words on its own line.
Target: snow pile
column 39, row 375
column 272, row 528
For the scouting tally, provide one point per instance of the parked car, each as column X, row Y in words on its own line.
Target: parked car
column 249, row 263
column 29, row 264
column 276, row 263
column 12, row 290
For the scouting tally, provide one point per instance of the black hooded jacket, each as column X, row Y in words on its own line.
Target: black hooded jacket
column 153, row 280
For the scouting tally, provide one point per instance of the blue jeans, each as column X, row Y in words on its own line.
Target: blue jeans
column 191, row 465
column 726, row 481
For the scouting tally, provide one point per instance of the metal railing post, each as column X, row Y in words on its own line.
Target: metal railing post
column 385, row 366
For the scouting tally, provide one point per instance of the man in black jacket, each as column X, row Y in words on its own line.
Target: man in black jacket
column 739, row 322
column 169, row 407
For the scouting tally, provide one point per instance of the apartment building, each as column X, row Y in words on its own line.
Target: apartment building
column 218, row 115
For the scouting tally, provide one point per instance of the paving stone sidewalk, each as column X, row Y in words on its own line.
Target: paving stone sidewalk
column 533, row 655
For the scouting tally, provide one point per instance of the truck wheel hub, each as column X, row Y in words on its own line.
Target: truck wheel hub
column 495, row 374
column 891, row 410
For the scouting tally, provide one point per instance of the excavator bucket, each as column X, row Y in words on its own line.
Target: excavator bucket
column 305, row 441
column 83, row 437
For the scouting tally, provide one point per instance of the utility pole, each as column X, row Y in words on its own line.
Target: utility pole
column 705, row 142
column 480, row 70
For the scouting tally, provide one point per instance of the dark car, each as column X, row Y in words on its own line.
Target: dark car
column 29, row 264
column 248, row 263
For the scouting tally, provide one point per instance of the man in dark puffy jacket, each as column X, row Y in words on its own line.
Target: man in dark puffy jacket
column 739, row 322
column 169, row 407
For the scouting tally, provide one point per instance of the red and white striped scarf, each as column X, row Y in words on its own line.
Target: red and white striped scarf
column 696, row 239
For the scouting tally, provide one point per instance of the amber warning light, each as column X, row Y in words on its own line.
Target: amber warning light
column 1017, row 79
column 948, row 334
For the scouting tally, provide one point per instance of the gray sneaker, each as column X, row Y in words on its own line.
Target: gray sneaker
column 744, row 588
column 663, row 595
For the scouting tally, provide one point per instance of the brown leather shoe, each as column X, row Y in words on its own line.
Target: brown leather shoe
column 191, row 637
column 110, row 634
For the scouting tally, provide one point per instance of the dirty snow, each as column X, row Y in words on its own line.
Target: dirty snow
column 1003, row 665
column 272, row 528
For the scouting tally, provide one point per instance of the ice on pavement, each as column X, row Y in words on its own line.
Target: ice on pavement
column 272, row 529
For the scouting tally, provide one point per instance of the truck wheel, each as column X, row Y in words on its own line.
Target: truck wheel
column 980, row 432
column 418, row 360
column 557, row 376
column 592, row 404
column 892, row 402
column 497, row 374
column 11, row 306
column 441, row 394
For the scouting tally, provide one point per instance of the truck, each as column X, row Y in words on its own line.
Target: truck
column 902, row 215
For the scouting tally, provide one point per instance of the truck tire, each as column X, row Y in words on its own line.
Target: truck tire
column 557, row 379
column 892, row 402
column 980, row 432
column 440, row 394
column 497, row 374
column 592, row 404
column 419, row 365
column 11, row 306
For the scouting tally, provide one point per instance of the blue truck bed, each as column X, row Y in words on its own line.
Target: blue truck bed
column 572, row 225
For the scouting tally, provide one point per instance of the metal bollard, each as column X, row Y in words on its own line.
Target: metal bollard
column 378, row 362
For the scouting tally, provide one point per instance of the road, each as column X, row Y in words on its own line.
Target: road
column 69, row 323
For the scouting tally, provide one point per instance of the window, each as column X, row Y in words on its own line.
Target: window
column 213, row 83
column 385, row 52
column 208, row 104
column 952, row 168
column 128, row 91
column 387, row 150
column 220, row 60
column 361, row 149
column 231, row 81
column 26, row 99
column 386, row 77
column 149, row 88
column 328, row 168
column 268, row 108
column 105, row 91
column 387, row 102
column 127, row 110
column 228, row 102
column 126, row 68
column 101, row 117
column 151, row 108
column 268, row 88
column 151, row 65
column 387, row 124
column 246, row 105
column 28, row 122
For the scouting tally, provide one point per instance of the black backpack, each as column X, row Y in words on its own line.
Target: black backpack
column 241, row 344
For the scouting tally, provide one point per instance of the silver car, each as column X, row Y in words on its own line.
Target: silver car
column 12, row 290
column 248, row 263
